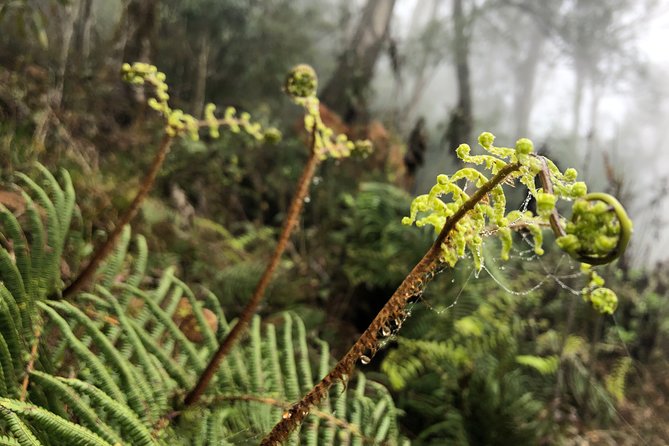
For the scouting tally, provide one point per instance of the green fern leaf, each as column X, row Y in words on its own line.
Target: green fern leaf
column 69, row 433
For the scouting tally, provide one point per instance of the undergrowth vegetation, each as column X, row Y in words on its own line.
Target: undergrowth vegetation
column 103, row 346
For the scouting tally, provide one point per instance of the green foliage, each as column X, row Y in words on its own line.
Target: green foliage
column 615, row 382
column 544, row 365
column 130, row 350
column 378, row 248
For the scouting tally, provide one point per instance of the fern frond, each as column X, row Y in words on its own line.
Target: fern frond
column 84, row 413
column 291, row 379
column 9, row 331
column 18, row 428
column 15, row 297
column 139, row 263
column 131, row 382
column 114, row 263
column 50, row 272
column 98, row 370
column 196, row 309
column 13, row 232
column 8, row 441
column 68, row 432
column 127, row 421
column 165, row 320
column 158, row 403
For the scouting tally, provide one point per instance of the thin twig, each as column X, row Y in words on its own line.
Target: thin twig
column 251, row 307
column 393, row 309
column 87, row 274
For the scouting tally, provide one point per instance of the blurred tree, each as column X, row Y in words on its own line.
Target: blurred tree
column 460, row 123
column 423, row 53
column 346, row 91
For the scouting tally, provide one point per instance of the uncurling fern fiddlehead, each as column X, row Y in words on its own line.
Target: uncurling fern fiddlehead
column 177, row 123
column 301, row 85
column 460, row 225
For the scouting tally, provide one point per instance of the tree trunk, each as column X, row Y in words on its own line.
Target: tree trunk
column 579, row 77
column 67, row 30
column 526, row 75
column 141, row 26
column 591, row 146
column 345, row 92
column 422, row 77
column 120, row 37
column 84, row 33
column 197, row 103
column 461, row 122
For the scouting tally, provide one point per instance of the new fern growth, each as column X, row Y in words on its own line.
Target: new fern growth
column 177, row 123
column 461, row 219
column 301, row 85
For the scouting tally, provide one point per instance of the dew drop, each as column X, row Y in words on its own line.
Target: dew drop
column 365, row 359
column 286, row 415
column 385, row 331
column 307, row 199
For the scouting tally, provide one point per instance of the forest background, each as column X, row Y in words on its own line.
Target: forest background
column 584, row 79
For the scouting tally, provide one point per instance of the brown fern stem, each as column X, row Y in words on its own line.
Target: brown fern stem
column 251, row 307
column 87, row 274
column 392, row 310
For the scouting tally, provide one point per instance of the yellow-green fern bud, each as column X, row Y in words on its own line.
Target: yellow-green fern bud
column 363, row 148
column 545, row 204
column 301, row 82
column 579, row 189
column 486, row 139
column 272, row 135
column 570, row 174
column 603, row 300
column 568, row 243
column 524, row 146
column 463, row 151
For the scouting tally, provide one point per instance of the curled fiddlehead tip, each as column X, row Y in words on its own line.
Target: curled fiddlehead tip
column 301, row 82
column 599, row 230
